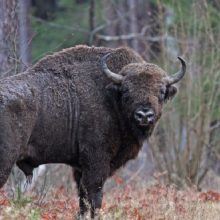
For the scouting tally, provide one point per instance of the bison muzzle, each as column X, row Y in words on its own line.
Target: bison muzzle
column 88, row 107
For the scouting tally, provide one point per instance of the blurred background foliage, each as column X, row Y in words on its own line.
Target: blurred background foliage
column 185, row 148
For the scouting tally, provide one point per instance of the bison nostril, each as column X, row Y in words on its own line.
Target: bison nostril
column 150, row 116
column 138, row 115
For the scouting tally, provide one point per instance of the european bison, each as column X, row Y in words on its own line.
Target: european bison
column 88, row 107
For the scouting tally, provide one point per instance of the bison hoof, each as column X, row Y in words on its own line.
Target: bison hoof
column 87, row 216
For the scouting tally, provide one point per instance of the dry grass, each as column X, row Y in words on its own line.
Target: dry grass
column 136, row 201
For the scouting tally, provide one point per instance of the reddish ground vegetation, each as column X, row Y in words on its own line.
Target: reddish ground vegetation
column 124, row 201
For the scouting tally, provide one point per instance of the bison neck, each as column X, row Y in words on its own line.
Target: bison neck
column 132, row 139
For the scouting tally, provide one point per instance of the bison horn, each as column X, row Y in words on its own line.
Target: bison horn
column 113, row 76
column 179, row 75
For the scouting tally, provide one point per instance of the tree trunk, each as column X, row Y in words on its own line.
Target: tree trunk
column 8, row 37
column 24, row 34
column 92, row 15
column 134, row 23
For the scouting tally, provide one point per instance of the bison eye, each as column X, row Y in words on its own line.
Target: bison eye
column 162, row 95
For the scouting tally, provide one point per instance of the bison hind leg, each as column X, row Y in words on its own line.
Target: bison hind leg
column 6, row 164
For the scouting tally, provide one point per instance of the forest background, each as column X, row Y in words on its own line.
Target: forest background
column 184, row 151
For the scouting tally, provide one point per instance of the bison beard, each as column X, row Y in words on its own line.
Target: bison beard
column 70, row 108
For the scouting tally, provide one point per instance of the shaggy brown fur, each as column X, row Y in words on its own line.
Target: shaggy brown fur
column 65, row 110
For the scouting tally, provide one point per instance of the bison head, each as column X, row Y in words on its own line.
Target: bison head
column 141, row 89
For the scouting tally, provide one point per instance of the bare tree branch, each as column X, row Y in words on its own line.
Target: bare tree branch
column 130, row 37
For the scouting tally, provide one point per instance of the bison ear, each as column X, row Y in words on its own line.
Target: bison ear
column 114, row 91
column 170, row 92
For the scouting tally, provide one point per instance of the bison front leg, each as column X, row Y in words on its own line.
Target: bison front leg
column 90, row 194
column 94, row 174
